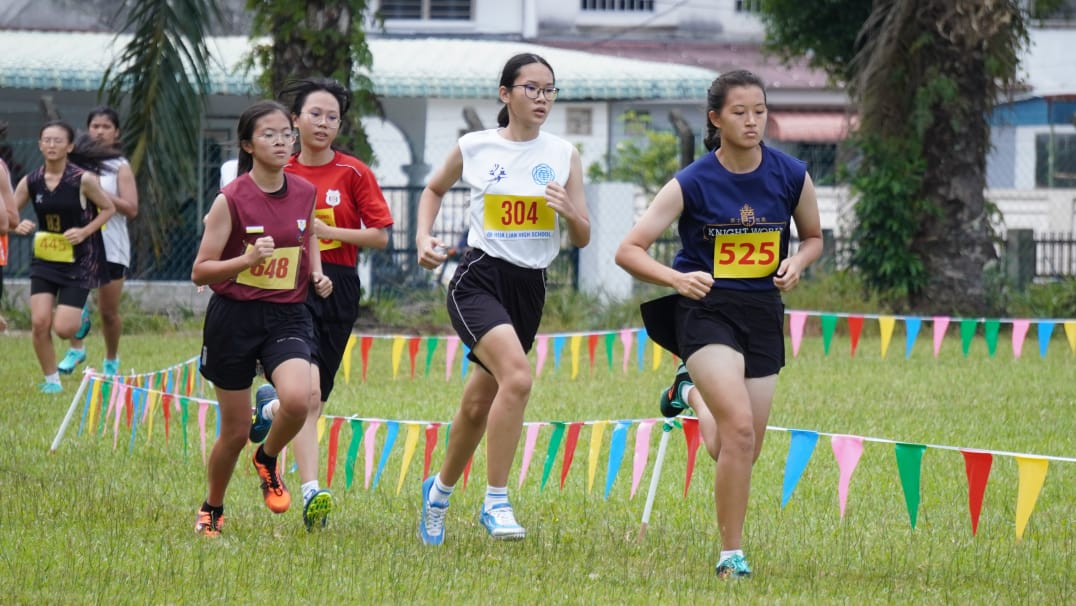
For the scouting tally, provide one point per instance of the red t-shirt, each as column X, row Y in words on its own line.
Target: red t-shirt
column 348, row 197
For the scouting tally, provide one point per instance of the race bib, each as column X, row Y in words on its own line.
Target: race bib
column 50, row 246
column 276, row 272
column 518, row 217
column 328, row 218
column 749, row 255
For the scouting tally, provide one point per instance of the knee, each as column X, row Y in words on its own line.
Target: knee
column 110, row 317
column 234, row 438
column 738, row 439
column 516, row 384
column 40, row 326
column 297, row 400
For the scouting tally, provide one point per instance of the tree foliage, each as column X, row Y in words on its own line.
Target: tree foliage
column 318, row 38
column 649, row 162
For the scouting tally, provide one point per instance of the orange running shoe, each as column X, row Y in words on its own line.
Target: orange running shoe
column 274, row 492
column 209, row 523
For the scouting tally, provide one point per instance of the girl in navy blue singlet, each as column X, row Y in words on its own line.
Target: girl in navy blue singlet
column 69, row 255
column 733, row 207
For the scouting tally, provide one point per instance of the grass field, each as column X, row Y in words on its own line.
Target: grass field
column 94, row 524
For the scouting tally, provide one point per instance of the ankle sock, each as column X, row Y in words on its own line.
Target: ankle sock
column 215, row 509
column 495, row 495
column 439, row 493
column 309, row 489
column 269, row 410
column 685, row 390
column 729, row 554
column 263, row 458
column 53, row 378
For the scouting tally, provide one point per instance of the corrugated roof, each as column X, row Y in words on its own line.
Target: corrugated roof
column 403, row 67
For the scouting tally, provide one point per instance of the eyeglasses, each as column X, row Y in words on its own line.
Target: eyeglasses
column 272, row 136
column 330, row 120
column 532, row 91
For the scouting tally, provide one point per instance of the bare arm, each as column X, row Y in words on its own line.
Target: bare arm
column 91, row 188
column 209, row 268
column 571, row 203
column 323, row 286
column 9, row 214
column 809, row 230
column 126, row 201
column 363, row 237
column 632, row 253
column 429, row 205
column 22, row 198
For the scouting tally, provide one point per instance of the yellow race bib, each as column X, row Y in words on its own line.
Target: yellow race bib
column 50, row 246
column 510, row 217
column 748, row 255
column 276, row 272
column 328, row 218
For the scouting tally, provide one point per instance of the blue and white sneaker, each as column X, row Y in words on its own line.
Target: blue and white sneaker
column 733, row 567
column 50, row 388
column 111, row 367
column 84, row 328
column 431, row 526
column 500, row 522
column 259, row 425
column 72, row 359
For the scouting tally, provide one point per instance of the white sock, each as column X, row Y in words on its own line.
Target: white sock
column 309, row 489
column 729, row 554
column 495, row 495
column 685, row 389
column 439, row 493
column 269, row 410
column 79, row 349
column 53, row 378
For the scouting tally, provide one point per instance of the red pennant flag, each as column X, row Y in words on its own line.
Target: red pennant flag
column 334, row 442
column 977, row 465
column 431, row 444
column 855, row 327
column 691, row 435
column 367, row 343
column 128, row 405
column 166, row 408
column 592, row 344
column 412, row 351
column 467, row 471
column 569, row 450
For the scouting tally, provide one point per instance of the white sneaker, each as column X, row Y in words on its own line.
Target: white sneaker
column 500, row 522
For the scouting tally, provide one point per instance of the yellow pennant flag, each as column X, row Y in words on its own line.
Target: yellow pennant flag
column 95, row 399
column 321, row 427
column 409, row 451
column 597, row 430
column 1070, row 332
column 1032, row 472
column 347, row 358
column 397, row 350
column 154, row 400
column 886, row 323
column 577, row 340
column 655, row 355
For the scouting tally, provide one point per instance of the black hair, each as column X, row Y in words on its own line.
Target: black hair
column 106, row 111
column 511, row 71
column 298, row 90
column 715, row 100
column 86, row 153
column 245, row 129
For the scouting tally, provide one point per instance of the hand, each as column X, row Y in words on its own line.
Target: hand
column 321, row 230
column 787, row 276
column 25, row 227
column 694, row 285
column 75, row 235
column 431, row 251
column 262, row 249
column 323, row 286
column 556, row 197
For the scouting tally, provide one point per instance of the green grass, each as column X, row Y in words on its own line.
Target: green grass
column 94, row 524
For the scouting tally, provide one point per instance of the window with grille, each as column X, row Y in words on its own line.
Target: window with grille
column 438, row 10
column 748, row 6
column 1055, row 160
column 623, row 6
column 579, row 121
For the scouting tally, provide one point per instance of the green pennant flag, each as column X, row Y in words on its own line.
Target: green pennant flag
column 184, row 408
column 992, row 327
column 106, row 397
column 609, row 339
column 967, row 333
column 909, row 460
column 352, row 451
column 551, row 452
column 431, row 346
column 829, row 324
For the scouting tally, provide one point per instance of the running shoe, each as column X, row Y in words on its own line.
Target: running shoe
column 111, row 367
column 500, row 522
column 259, row 425
column 73, row 358
column 431, row 526
column 276, row 495
column 317, row 509
column 671, row 403
column 209, row 523
column 51, row 388
column 733, row 567
column 84, row 328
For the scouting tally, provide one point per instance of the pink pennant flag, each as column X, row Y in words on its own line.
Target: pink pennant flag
column 1019, row 331
column 642, row 453
column 847, row 450
column 941, row 324
column 625, row 340
column 796, row 321
column 450, row 355
column 528, row 450
column 543, row 351
column 368, row 442
column 203, row 408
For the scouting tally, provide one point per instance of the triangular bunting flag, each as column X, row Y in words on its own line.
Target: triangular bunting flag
column 847, row 450
column 1032, row 472
column 617, row 445
column 855, row 328
column 796, row 321
column 909, row 464
column 569, row 450
column 977, row 466
column 800, row 450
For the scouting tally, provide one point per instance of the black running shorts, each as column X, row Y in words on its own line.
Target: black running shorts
column 750, row 322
